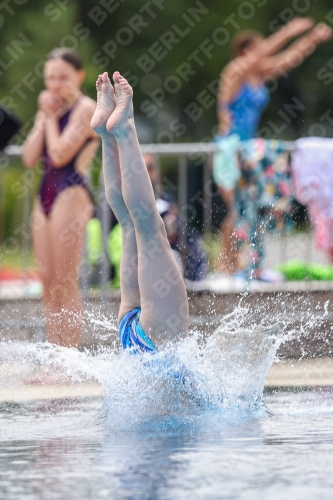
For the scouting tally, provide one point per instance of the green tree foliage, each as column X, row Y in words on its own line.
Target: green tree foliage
column 28, row 33
column 172, row 53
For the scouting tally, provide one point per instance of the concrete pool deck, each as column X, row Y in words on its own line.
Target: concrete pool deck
column 305, row 308
column 307, row 373
column 31, row 289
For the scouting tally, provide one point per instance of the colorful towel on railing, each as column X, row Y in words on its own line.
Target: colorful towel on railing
column 263, row 199
column 312, row 167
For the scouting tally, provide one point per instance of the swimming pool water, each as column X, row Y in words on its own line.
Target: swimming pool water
column 188, row 422
column 62, row 450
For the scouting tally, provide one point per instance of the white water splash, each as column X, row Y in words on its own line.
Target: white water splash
column 223, row 374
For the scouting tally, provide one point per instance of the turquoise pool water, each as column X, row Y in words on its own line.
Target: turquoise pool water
column 190, row 422
column 62, row 451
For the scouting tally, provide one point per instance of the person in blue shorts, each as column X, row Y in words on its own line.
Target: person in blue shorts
column 154, row 305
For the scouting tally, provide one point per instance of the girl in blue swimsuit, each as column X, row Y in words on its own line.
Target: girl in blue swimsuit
column 243, row 96
column 63, row 142
column 154, row 306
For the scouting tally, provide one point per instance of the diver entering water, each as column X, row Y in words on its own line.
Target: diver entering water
column 154, row 305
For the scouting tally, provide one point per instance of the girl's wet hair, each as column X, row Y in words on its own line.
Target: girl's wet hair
column 68, row 55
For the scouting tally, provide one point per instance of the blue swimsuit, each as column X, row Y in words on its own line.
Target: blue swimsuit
column 131, row 333
column 246, row 109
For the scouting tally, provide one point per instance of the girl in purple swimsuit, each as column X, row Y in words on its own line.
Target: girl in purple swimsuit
column 62, row 140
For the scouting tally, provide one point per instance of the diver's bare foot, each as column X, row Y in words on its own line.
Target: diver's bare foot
column 106, row 104
column 123, row 113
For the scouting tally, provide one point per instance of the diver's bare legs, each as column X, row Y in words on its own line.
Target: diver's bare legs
column 163, row 297
column 130, row 295
column 151, row 280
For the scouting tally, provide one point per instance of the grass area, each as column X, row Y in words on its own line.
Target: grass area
column 212, row 245
column 18, row 261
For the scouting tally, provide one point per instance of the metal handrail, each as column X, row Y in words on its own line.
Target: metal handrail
column 173, row 149
column 203, row 150
column 180, row 150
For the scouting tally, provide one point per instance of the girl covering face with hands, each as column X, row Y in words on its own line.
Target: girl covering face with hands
column 62, row 140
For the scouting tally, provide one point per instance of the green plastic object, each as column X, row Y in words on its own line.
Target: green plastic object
column 296, row 270
column 114, row 246
column 321, row 272
column 94, row 241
